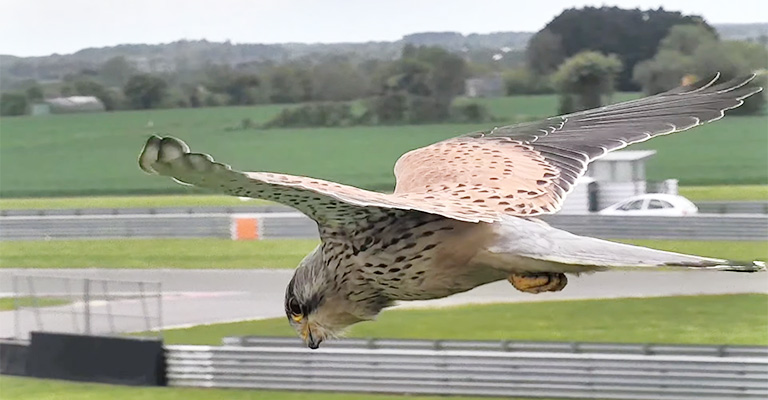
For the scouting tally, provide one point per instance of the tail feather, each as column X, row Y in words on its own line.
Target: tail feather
column 539, row 241
column 726, row 265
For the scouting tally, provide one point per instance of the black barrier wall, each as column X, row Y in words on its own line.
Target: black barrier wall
column 125, row 361
column 13, row 358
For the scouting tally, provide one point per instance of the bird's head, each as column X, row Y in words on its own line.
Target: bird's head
column 318, row 303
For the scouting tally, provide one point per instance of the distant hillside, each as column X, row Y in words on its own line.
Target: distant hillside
column 186, row 55
column 743, row 31
column 458, row 42
column 192, row 55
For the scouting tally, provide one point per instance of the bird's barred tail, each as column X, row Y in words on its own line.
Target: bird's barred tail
column 539, row 241
column 612, row 255
column 726, row 265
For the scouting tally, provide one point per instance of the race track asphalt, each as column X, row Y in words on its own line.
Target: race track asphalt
column 193, row 297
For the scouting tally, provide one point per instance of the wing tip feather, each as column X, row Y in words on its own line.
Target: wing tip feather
column 697, row 86
column 148, row 154
column 160, row 149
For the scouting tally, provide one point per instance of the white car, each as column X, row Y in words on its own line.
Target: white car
column 652, row 204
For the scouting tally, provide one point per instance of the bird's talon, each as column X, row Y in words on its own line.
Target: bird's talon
column 538, row 282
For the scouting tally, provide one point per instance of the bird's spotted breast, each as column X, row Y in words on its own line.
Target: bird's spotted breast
column 400, row 255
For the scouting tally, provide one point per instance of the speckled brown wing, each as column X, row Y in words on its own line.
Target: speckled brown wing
column 528, row 169
column 499, row 174
column 328, row 203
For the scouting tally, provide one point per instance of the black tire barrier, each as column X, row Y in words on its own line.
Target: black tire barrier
column 102, row 359
column 13, row 358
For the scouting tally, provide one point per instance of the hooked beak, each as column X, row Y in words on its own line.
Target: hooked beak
column 313, row 342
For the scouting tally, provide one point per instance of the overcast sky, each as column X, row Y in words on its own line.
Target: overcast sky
column 42, row 27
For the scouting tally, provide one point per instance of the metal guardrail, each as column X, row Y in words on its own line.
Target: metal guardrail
column 295, row 225
column 487, row 372
column 692, row 227
column 42, row 212
column 509, row 346
column 114, row 226
column 733, row 207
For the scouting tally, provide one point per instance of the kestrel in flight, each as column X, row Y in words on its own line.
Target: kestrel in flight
column 463, row 212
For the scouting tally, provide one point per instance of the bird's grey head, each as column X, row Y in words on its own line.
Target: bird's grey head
column 318, row 304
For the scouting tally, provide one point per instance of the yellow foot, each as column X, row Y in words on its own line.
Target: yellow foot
column 538, row 282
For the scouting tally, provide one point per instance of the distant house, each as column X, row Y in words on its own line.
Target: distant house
column 152, row 65
column 72, row 104
column 582, row 198
column 613, row 178
column 40, row 109
column 491, row 86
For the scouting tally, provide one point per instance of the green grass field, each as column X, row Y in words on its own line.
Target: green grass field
column 710, row 155
column 516, row 108
column 154, row 253
column 229, row 254
column 722, row 319
column 14, row 388
column 87, row 154
column 126, row 202
column 724, row 193
column 10, row 303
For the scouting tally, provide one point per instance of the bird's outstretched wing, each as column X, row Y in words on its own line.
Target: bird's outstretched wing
column 329, row 203
column 528, row 169
column 518, row 170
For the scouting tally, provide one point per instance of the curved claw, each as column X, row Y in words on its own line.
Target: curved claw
column 538, row 282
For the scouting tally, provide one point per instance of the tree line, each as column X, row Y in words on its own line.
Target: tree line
column 586, row 54
column 417, row 87
column 583, row 54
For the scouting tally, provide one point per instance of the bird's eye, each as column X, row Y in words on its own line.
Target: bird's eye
column 295, row 308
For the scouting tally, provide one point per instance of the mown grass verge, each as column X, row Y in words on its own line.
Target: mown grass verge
column 276, row 253
column 717, row 319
